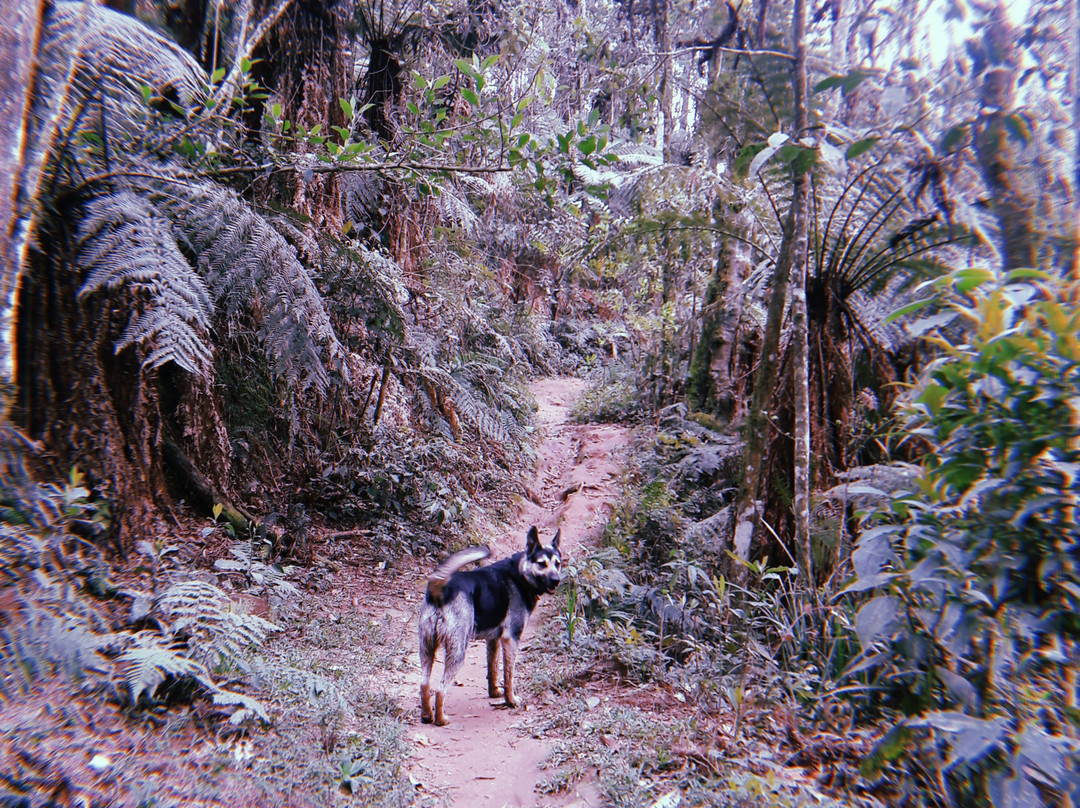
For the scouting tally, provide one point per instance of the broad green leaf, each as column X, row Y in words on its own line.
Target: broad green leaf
column 346, row 107
column 465, row 67
column 967, row 279
column 470, row 96
column 828, row 84
column 440, row 82
column 876, row 619
column 489, row 61
column 933, row 396
column 860, row 147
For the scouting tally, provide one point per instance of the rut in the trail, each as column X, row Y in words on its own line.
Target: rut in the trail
column 480, row 759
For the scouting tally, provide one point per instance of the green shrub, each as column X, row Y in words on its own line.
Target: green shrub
column 971, row 631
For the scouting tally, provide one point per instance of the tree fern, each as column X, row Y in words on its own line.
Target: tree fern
column 123, row 244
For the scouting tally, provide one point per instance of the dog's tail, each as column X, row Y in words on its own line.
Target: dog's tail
column 438, row 579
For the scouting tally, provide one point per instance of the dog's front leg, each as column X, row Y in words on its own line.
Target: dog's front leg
column 509, row 646
column 493, row 669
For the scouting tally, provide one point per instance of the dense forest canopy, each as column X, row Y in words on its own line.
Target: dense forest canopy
column 287, row 269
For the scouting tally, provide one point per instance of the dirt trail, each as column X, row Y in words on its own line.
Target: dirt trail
column 480, row 759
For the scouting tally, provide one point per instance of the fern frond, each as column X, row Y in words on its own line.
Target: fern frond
column 208, row 616
column 712, row 532
column 94, row 64
column 148, row 664
column 123, row 244
column 249, row 267
column 247, row 705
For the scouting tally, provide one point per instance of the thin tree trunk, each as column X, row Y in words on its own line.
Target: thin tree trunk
column 1074, row 93
column 1000, row 158
column 759, row 415
column 801, row 202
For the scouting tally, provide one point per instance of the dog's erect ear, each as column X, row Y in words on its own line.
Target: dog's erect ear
column 555, row 541
column 532, row 541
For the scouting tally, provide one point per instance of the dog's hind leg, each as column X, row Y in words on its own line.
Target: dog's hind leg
column 494, row 691
column 454, row 648
column 509, row 647
column 428, row 646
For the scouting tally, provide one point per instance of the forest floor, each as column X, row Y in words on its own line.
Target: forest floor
column 341, row 685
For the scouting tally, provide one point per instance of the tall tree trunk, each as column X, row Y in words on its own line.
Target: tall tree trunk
column 18, row 180
column 1073, row 34
column 999, row 156
column 799, row 336
column 758, row 417
column 710, row 387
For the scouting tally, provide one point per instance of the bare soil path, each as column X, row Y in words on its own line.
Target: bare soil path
column 480, row 759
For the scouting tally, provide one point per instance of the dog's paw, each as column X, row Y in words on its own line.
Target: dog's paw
column 426, row 718
column 441, row 721
column 494, row 692
column 513, row 702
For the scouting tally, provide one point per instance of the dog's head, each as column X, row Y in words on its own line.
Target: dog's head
column 542, row 565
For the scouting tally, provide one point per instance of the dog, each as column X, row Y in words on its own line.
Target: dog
column 492, row 603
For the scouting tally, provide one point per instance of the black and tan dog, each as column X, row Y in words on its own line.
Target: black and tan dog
column 491, row 603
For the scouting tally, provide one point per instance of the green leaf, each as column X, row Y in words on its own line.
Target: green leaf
column 440, row 82
column 588, row 145
column 346, row 107
column 892, row 746
column 933, row 396
column 848, row 83
column 489, row 61
column 465, row 67
column 860, row 147
column 828, row 84
column 470, row 96
column 954, row 136
column 245, row 65
column 217, row 75
column 1019, row 128
column 1026, row 275
column 409, row 105
column 967, row 279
